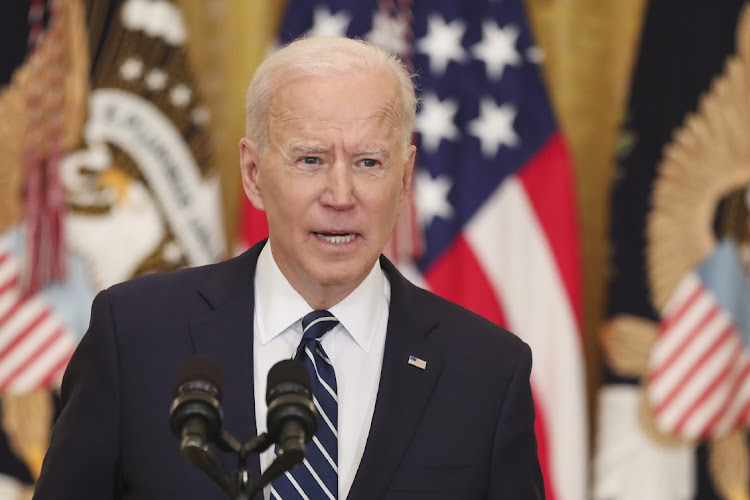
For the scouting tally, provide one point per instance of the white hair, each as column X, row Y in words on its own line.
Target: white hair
column 324, row 56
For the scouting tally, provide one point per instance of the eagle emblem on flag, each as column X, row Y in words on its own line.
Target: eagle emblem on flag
column 694, row 363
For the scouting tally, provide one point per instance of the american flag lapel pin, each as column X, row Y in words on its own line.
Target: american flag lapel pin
column 419, row 363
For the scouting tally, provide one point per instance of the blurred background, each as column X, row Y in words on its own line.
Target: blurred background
column 582, row 180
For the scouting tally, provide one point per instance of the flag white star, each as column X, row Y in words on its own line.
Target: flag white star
column 180, row 95
column 389, row 33
column 535, row 54
column 156, row 79
column 431, row 197
column 494, row 126
column 326, row 23
column 131, row 68
column 442, row 42
column 497, row 48
column 435, row 121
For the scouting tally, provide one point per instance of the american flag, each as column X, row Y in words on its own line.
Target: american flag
column 699, row 380
column 35, row 343
column 493, row 190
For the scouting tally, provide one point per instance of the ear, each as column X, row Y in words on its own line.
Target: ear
column 407, row 181
column 250, row 171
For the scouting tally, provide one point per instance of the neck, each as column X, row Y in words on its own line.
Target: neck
column 325, row 296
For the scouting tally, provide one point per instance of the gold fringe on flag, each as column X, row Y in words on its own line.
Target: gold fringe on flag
column 729, row 464
column 626, row 343
column 27, row 419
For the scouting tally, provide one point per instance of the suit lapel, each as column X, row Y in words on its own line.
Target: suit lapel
column 225, row 334
column 404, row 389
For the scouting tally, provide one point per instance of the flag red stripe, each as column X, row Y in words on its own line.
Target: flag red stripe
column 728, row 400
column 548, row 180
column 9, row 285
column 13, row 309
column 457, row 276
column 677, row 353
column 254, row 225
column 57, row 371
column 24, row 333
column 31, row 358
column 694, row 369
column 742, row 417
column 669, row 322
column 718, row 380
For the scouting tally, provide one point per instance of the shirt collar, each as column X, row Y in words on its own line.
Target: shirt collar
column 278, row 306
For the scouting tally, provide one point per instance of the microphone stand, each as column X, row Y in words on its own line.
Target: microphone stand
column 242, row 486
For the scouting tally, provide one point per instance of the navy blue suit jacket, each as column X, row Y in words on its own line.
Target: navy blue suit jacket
column 462, row 428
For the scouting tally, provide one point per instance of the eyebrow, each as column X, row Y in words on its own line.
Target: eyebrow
column 300, row 148
column 374, row 151
column 314, row 150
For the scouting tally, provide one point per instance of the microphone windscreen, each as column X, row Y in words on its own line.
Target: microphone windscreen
column 200, row 368
column 287, row 372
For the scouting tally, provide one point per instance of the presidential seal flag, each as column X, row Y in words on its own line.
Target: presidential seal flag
column 493, row 191
column 141, row 190
column 107, row 174
column 676, row 399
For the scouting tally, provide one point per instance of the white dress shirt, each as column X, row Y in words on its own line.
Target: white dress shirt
column 355, row 347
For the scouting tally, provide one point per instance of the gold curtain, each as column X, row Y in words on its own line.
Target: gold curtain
column 228, row 39
column 589, row 48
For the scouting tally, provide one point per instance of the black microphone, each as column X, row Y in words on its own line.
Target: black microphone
column 195, row 415
column 291, row 418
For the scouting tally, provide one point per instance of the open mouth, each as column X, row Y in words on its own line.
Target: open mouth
column 336, row 238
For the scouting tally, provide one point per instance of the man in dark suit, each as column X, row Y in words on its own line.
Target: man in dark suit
column 417, row 397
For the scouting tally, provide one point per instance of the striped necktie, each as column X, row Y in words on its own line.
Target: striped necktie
column 317, row 477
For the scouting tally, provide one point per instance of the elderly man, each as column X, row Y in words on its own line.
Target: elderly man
column 417, row 397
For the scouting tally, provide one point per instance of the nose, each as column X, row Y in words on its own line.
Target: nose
column 339, row 192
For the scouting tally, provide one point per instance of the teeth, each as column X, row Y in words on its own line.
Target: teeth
column 345, row 238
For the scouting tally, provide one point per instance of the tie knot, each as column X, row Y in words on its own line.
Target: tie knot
column 317, row 323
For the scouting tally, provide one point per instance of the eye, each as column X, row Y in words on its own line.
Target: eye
column 369, row 162
column 311, row 160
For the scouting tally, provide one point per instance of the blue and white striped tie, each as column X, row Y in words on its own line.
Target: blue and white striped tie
column 317, row 477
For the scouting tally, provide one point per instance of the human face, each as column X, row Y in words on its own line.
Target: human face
column 332, row 181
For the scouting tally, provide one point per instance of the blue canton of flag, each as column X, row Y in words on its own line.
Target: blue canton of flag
column 493, row 189
column 470, row 116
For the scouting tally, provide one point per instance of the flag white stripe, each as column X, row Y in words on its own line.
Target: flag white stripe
column 700, row 378
column 689, row 284
column 709, row 408
column 23, row 316
column 685, row 364
column 672, row 339
column 31, row 377
column 7, row 300
column 557, row 377
column 8, row 270
column 26, row 347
